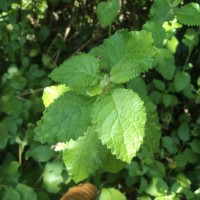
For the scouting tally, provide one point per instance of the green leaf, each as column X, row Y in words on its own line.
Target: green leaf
column 9, row 172
column 169, row 144
column 53, row 92
column 111, row 194
column 83, row 156
column 157, row 187
column 78, row 71
column 110, row 163
column 164, row 63
column 191, row 38
column 120, row 118
column 52, row 177
column 26, row 192
column 167, row 100
column 152, row 126
column 128, row 54
column 107, row 11
column 184, row 132
column 68, row 117
column 189, row 14
column 161, row 11
column 195, row 145
column 10, row 194
column 138, row 85
column 159, row 84
column 41, row 153
column 158, row 32
column 181, row 81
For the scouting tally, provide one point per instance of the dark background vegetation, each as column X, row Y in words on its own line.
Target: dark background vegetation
column 35, row 37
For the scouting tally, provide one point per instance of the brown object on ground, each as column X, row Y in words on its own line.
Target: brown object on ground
column 85, row 191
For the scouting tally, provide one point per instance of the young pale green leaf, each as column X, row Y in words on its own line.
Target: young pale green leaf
column 83, row 156
column 128, row 54
column 162, row 10
column 52, row 176
column 111, row 194
column 164, row 63
column 189, row 14
column 120, row 118
column 152, row 126
column 67, row 118
column 78, row 71
column 107, row 11
column 181, row 81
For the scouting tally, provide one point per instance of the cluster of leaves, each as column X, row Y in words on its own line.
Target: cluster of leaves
column 125, row 115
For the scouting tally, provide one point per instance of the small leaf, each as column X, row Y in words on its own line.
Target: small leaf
column 78, row 71
column 169, row 144
column 159, row 84
column 167, row 100
column 107, row 11
column 184, row 132
column 58, row 122
column 111, row 194
column 26, row 192
column 164, row 63
column 120, row 118
column 52, row 176
column 195, row 145
column 40, row 153
column 83, row 156
column 189, row 14
column 128, row 54
column 181, row 81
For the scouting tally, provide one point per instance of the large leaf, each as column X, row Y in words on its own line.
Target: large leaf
column 189, row 14
column 78, row 71
column 83, row 156
column 120, row 118
column 164, row 63
column 68, row 117
column 128, row 54
column 107, row 11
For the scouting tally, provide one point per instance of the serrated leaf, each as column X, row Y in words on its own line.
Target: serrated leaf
column 164, row 63
column 120, row 118
column 78, row 71
column 111, row 194
column 181, row 81
column 128, row 54
column 161, row 11
column 67, row 118
column 152, row 126
column 189, row 14
column 26, row 192
column 107, row 11
column 83, row 156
